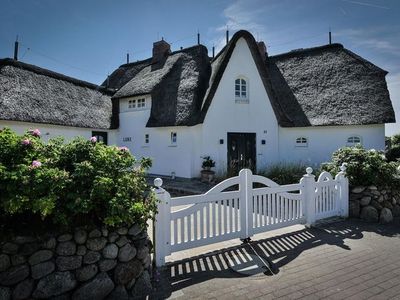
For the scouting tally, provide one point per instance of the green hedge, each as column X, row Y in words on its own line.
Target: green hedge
column 83, row 181
column 393, row 152
column 364, row 167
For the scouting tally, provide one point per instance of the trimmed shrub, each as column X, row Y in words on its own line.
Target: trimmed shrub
column 285, row 173
column 67, row 183
column 364, row 167
column 393, row 152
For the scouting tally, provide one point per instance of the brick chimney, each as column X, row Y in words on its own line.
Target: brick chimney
column 161, row 50
column 262, row 48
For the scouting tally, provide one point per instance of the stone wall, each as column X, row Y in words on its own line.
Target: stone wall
column 84, row 264
column 374, row 204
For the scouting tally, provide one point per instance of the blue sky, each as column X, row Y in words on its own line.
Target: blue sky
column 88, row 39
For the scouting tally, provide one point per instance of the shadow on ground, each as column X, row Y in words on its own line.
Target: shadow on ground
column 259, row 258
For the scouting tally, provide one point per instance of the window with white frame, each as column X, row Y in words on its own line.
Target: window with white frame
column 132, row 104
column 173, row 138
column 141, row 103
column 353, row 140
column 301, row 142
column 135, row 104
column 241, row 90
column 146, row 138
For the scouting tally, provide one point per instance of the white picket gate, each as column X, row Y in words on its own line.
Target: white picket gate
column 236, row 209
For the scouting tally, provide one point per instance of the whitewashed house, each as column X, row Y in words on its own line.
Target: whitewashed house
column 243, row 108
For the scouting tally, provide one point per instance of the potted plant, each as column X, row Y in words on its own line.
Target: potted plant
column 207, row 175
column 208, row 163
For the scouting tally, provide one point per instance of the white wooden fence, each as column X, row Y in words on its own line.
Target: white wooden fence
column 236, row 209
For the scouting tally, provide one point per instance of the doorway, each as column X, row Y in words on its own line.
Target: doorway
column 241, row 152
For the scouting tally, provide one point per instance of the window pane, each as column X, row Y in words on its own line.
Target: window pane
column 243, row 88
column 243, row 94
column 237, row 81
column 243, row 82
column 237, row 93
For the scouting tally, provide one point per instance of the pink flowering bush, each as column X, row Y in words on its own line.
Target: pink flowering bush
column 71, row 183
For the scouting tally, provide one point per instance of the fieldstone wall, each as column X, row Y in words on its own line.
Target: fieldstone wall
column 374, row 204
column 84, row 264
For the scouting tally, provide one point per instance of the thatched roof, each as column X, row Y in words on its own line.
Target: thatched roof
column 177, row 87
column 330, row 85
column 326, row 85
column 32, row 94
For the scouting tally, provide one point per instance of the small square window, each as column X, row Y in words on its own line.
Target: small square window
column 132, row 104
column 146, row 138
column 301, row 142
column 173, row 138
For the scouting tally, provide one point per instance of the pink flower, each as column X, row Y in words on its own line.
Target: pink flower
column 26, row 142
column 35, row 132
column 124, row 149
column 36, row 164
column 93, row 139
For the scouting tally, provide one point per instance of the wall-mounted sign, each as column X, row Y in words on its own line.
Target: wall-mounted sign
column 127, row 139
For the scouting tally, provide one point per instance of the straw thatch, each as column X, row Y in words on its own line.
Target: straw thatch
column 32, row 94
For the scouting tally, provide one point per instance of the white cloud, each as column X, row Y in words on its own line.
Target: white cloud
column 239, row 15
column 375, row 39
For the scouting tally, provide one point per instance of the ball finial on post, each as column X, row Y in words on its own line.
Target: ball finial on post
column 158, row 182
column 309, row 171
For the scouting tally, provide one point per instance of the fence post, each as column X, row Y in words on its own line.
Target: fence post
column 162, row 225
column 245, row 207
column 308, row 181
column 343, row 191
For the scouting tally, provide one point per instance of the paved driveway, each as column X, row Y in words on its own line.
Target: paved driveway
column 345, row 260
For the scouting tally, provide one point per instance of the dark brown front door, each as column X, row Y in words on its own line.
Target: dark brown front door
column 241, row 152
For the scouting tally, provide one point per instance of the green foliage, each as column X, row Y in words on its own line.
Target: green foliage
column 208, row 162
column 81, row 181
column 364, row 167
column 285, row 173
column 393, row 152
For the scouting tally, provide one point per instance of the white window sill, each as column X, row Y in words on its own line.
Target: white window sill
column 242, row 100
column 145, row 146
column 172, row 145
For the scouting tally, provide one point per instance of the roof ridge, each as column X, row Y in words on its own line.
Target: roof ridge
column 304, row 50
column 172, row 53
column 50, row 73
